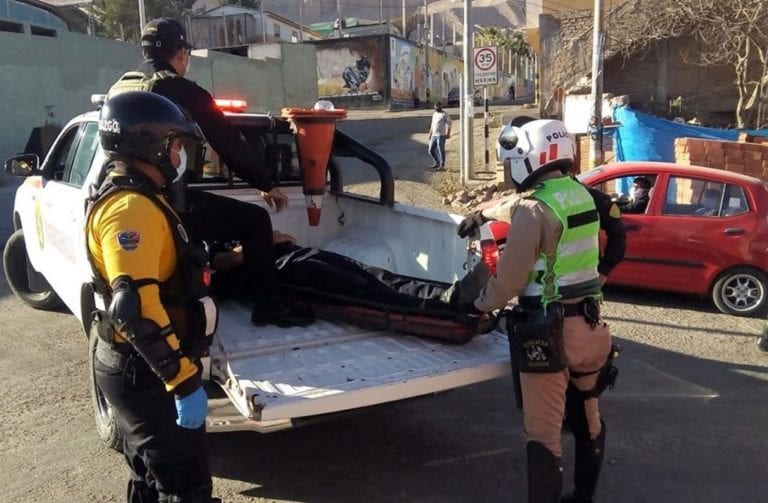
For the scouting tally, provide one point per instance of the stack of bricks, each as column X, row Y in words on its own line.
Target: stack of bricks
column 748, row 156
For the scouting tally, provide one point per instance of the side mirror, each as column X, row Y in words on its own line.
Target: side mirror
column 23, row 165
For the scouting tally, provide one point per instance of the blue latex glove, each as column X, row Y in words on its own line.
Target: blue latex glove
column 192, row 409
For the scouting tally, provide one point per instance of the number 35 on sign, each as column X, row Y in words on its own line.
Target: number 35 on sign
column 486, row 66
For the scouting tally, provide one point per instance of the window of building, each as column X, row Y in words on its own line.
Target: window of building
column 276, row 28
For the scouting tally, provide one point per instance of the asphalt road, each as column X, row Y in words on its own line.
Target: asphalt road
column 686, row 423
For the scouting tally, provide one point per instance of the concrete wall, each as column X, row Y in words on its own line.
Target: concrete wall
column 62, row 72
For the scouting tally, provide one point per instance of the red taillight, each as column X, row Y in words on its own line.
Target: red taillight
column 490, row 253
column 234, row 106
column 207, row 276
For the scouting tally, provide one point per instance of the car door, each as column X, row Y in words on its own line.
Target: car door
column 693, row 241
column 62, row 212
column 634, row 269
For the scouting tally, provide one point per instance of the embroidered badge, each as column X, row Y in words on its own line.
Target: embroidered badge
column 128, row 240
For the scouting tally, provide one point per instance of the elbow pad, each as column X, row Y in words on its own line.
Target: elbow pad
column 146, row 336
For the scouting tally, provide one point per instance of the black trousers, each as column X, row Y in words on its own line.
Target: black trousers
column 168, row 463
column 213, row 218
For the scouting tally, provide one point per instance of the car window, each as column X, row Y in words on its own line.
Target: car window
column 621, row 190
column 695, row 197
column 735, row 201
column 86, row 149
column 58, row 159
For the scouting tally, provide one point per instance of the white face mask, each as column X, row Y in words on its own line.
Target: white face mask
column 637, row 193
column 182, row 168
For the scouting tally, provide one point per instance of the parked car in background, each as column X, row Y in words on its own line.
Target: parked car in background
column 704, row 232
column 454, row 97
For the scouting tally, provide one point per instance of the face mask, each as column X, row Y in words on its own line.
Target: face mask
column 182, row 163
column 637, row 193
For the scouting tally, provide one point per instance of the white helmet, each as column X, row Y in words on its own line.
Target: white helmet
column 535, row 148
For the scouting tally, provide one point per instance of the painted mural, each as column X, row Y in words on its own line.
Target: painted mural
column 444, row 74
column 353, row 67
column 404, row 60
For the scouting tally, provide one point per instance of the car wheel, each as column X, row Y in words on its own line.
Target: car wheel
column 103, row 413
column 742, row 291
column 18, row 271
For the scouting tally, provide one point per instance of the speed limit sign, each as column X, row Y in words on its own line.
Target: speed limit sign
column 486, row 63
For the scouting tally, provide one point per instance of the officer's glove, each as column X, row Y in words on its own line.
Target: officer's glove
column 470, row 223
column 192, row 409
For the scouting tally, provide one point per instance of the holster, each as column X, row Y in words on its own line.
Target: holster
column 536, row 338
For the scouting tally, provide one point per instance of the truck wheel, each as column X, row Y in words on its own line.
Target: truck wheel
column 17, row 270
column 742, row 291
column 103, row 413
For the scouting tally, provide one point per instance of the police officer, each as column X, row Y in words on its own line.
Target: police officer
column 607, row 209
column 213, row 218
column 147, row 356
column 558, row 340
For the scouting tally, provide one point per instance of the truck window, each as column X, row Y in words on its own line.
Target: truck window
column 86, row 150
column 59, row 158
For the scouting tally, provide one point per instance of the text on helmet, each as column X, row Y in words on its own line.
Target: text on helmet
column 109, row 126
column 557, row 135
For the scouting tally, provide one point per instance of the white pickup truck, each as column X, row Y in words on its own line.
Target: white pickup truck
column 263, row 378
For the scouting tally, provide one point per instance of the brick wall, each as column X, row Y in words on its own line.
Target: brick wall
column 582, row 152
column 748, row 156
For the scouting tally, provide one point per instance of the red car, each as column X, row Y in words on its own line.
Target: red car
column 704, row 232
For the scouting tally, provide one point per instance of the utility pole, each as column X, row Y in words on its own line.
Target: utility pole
column 338, row 17
column 381, row 15
column 301, row 21
column 467, row 127
column 596, row 122
column 426, row 39
column 142, row 17
column 405, row 31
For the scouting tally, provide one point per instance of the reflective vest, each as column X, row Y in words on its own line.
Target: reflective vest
column 572, row 272
column 139, row 81
column 184, row 294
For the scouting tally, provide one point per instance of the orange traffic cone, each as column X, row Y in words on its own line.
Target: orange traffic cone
column 314, row 131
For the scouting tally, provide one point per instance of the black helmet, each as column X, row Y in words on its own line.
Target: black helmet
column 164, row 33
column 138, row 125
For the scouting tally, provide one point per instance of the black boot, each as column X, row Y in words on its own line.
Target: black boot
column 762, row 343
column 589, row 460
column 545, row 475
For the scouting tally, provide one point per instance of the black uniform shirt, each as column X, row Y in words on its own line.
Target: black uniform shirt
column 225, row 139
column 610, row 222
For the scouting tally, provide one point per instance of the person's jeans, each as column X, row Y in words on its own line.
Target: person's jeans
column 437, row 150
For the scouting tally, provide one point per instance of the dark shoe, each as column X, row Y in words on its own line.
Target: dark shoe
column 762, row 343
column 281, row 314
column 434, row 166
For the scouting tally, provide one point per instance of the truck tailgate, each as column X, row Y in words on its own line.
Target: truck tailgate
column 273, row 373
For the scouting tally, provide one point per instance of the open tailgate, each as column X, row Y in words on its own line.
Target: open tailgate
column 273, row 373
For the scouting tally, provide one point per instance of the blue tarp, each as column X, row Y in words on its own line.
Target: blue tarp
column 644, row 137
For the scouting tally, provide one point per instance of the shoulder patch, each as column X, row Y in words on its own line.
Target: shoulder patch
column 615, row 212
column 128, row 240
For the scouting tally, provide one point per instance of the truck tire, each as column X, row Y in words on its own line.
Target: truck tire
column 103, row 413
column 16, row 266
column 741, row 291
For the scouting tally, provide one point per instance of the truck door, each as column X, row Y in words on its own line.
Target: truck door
column 61, row 218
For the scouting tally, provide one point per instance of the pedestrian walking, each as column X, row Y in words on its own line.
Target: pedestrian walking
column 439, row 131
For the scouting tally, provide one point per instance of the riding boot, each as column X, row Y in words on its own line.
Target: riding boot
column 589, row 460
column 545, row 475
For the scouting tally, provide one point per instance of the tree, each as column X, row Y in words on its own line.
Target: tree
column 120, row 18
column 503, row 39
column 730, row 32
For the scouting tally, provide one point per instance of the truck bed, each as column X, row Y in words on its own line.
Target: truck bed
column 274, row 375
